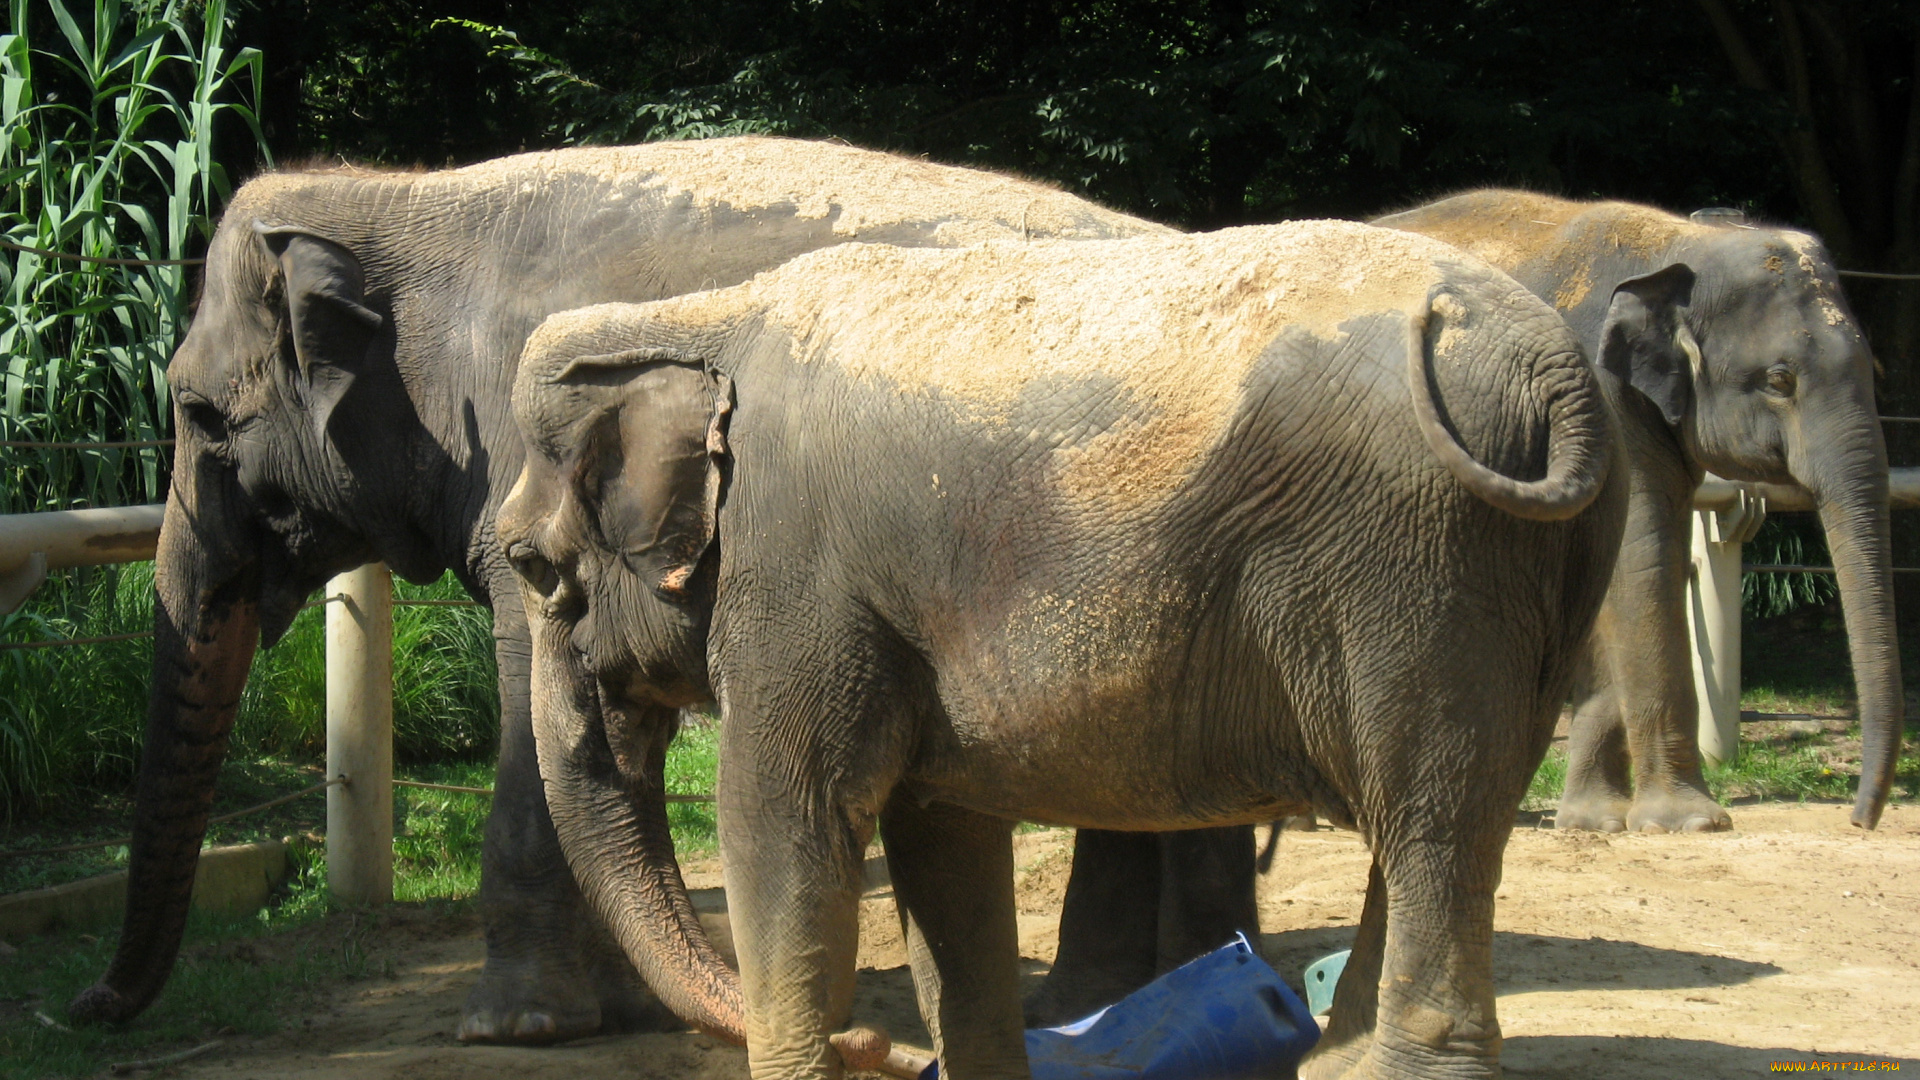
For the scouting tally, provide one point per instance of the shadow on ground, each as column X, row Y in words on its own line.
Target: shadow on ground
column 1525, row 962
column 1595, row 1058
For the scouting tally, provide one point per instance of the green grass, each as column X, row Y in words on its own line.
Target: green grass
column 692, row 762
column 1543, row 792
column 71, row 717
column 235, row 977
column 437, row 834
column 241, row 976
column 1782, row 764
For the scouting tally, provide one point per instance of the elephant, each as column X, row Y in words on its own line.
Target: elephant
column 342, row 397
column 1146, row 534
column 1778, row 388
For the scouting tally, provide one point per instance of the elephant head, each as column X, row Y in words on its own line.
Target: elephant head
column 611, row 527
column 1780, row 390
column 285, row 336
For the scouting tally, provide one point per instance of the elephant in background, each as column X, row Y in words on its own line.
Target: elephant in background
column 1777, row 387
column 1145, row 534
column 342, row 397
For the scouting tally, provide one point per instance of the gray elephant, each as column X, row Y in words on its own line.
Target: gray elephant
column 1777, row 388
column 1146, row 534
column 342, row 397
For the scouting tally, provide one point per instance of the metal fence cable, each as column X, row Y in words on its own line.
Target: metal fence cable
column 57, row 642
column 1878, row 276
column 489, row 791
column 134, row 444
column 136, row 635
column 99, row 260
column 118, row 841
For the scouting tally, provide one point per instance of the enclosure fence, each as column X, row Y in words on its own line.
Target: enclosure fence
column 359, row 647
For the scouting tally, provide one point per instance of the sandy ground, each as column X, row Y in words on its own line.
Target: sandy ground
column 1617, row 956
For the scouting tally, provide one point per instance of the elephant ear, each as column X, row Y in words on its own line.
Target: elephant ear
column 333, row 329
column 652, row 473
column 1645, row 341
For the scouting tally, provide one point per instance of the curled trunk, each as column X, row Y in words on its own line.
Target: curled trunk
column 613, row 827
column 206, row 627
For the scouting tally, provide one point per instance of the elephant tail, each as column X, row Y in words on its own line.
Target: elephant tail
column 1579, row 444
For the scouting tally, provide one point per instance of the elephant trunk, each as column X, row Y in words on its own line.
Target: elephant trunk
column 206, row 627
column 613, row 827
column 1854, row 514
column 1579, row 442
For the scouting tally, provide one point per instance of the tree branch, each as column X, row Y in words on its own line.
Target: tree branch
column 1906, row 185
column 1746, row 66
column 1865, row 190
column 1802, row 144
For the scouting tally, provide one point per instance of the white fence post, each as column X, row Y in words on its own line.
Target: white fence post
column 360, row 735
column 1713, row 620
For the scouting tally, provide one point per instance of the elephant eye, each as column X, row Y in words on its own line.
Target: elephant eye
column 533, row 568
column 1781, row 382
column 201, row 413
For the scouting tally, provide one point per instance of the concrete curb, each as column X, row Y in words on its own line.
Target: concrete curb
column 232, row 880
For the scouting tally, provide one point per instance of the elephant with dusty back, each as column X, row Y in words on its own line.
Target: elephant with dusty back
column 1145, row 534
column 342, row 397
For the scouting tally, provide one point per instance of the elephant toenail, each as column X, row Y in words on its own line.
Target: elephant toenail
column 1613, row 825
column 1653, row 827
column 530, row 1025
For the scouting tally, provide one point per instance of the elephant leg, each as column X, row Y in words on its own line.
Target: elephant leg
column 1356, row 999
column 1109, row 927
column 1643, row 630
column 792, row 858
column 1206, row 892
column 552, row 971
column 1598, row 790
column 952, row 875
column 1434, row 1007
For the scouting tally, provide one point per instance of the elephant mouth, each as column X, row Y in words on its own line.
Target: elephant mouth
column 633, row 729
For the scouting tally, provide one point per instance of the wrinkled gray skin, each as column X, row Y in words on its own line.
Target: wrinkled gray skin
column 1322, row 616
column 1782, row 392
column 343, row 397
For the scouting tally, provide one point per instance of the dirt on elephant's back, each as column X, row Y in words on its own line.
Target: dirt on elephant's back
column 1616, row 956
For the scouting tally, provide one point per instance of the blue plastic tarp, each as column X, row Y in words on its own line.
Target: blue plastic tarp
column 1224, row 1016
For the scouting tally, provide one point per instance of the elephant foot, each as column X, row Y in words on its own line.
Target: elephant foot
column 1685, row 810
column 529, row 1005
column 627, row 1006
column 533, row 994
column 1063, row 999
column 1378, row 1064
column 1604, row 812
column 1333, row 1060
column 1367, row 1058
